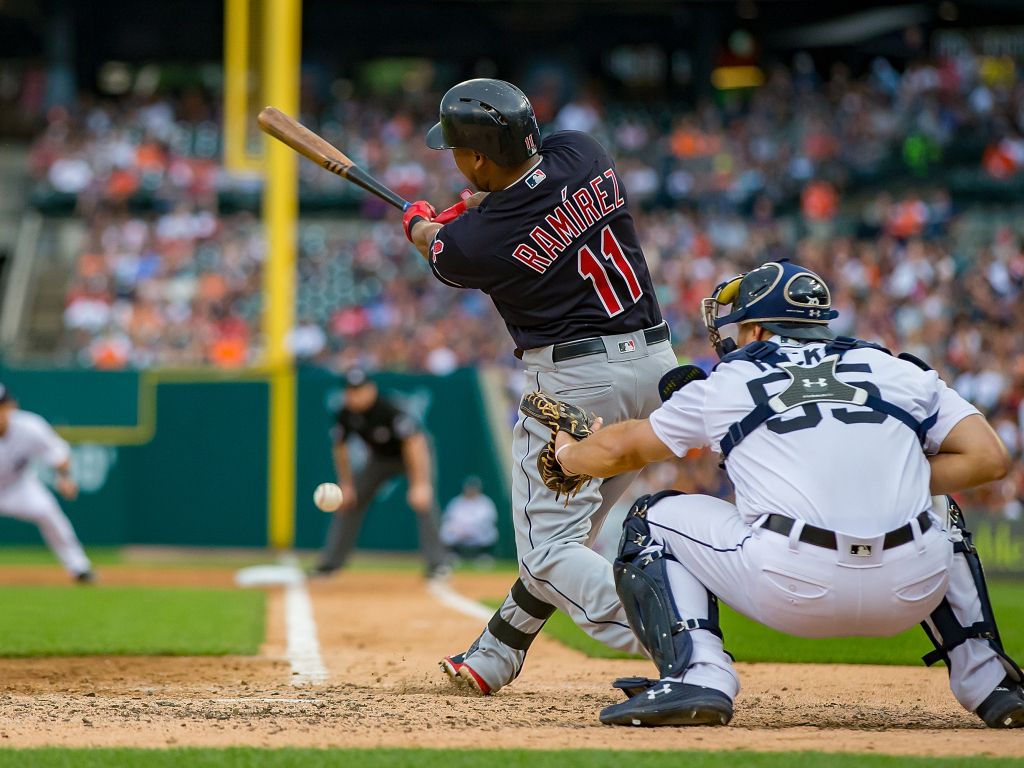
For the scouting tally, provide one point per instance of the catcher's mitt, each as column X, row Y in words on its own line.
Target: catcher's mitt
column 558, row 417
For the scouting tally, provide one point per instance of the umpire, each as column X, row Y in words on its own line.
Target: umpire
column 396, row 445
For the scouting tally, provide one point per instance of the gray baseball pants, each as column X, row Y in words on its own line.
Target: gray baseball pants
column 557, row 567
column 345, row 527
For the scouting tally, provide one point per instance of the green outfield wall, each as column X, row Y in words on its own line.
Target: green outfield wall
column 180, row 457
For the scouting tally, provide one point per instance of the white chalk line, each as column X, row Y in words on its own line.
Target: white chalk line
column 303, row 649
column 464, row 605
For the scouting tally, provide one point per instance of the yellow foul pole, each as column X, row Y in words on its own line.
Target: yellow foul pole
column 280, row 62
column 236, row 83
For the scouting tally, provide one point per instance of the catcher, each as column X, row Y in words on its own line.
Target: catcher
column 835, row 448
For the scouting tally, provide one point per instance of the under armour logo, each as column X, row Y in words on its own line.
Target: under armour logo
column 808, row 383
column 653, row 693
column 814, row 312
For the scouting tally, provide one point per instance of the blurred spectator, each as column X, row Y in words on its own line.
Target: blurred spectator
column 837, row 172
column 469, row 526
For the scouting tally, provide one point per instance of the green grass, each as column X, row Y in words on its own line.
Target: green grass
column 193, row 557
column 29, row 555
column 426, row 758
column 749, row 641
column 74, row 621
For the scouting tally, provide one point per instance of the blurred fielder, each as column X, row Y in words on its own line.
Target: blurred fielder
column 26, row 438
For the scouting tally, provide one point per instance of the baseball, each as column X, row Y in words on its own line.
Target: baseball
column 327, row 497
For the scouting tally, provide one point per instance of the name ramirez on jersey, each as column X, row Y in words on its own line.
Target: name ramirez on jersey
column 577, row 213
column 557, row 251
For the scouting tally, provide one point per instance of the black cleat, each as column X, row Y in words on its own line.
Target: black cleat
column 85, row 577
column 1004, row 707
column 439, row 572
column 321, row 572
column 670, row 703
column 634, row 686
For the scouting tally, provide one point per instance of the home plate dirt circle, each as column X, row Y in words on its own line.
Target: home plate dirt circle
column 381, row 635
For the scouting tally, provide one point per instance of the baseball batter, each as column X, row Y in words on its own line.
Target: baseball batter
column 554, row 246
column 26, row 439
column 835, row 448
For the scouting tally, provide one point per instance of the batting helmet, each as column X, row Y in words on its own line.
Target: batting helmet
column 491, row 117
column 782, row 297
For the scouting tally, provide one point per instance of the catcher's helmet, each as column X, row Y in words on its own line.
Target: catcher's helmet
column 491, row 117
column 782, row 297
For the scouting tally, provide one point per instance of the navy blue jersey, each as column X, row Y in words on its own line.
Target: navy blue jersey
column 557, row 251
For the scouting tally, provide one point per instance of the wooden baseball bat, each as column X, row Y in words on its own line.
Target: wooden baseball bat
column 290, row 131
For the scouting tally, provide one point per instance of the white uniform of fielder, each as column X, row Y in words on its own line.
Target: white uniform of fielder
column 28, row 440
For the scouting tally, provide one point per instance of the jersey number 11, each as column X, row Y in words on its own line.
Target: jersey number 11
column 591, row 268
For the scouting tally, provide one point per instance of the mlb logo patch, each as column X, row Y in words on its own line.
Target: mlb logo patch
column 535, row 178
column 435, row 248
column 627, row 346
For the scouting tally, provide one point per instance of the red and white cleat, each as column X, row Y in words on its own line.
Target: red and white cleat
column 463, row 675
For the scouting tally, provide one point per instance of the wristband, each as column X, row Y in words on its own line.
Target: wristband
column 411, row 225
column 558, row 461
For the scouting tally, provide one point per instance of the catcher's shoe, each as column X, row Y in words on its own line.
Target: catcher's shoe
column 670, row 703
column 633, row 686
column 463, row 675
column 1004, row 707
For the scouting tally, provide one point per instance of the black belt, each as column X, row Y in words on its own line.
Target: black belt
column 820, row 537
column 570, row 350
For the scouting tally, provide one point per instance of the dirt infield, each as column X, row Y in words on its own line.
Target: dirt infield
column 381, row 635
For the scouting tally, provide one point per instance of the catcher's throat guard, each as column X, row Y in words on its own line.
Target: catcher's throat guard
column 723, row 296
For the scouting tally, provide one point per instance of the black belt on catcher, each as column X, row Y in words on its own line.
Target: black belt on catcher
column 820, row 537
column 570, row 350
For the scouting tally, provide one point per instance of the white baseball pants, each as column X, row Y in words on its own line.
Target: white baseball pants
column 810, row 591
column 29, row 500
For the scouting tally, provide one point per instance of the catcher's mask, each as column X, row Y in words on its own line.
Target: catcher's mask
column 782, row 297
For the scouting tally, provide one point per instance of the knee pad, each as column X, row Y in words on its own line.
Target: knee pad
column 642, row 584
column 943, row 628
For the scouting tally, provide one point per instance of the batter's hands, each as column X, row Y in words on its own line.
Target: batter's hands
column 66, row 487
column 469, row 200
column 421, row 498
column 421, row 210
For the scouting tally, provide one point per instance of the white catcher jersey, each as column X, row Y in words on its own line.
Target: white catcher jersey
column 837, row 466
column 28, row 439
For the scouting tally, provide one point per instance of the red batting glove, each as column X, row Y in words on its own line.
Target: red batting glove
column 421, row 210
column 451, row 214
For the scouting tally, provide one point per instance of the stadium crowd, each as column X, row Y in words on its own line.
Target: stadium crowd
column 833, row 172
